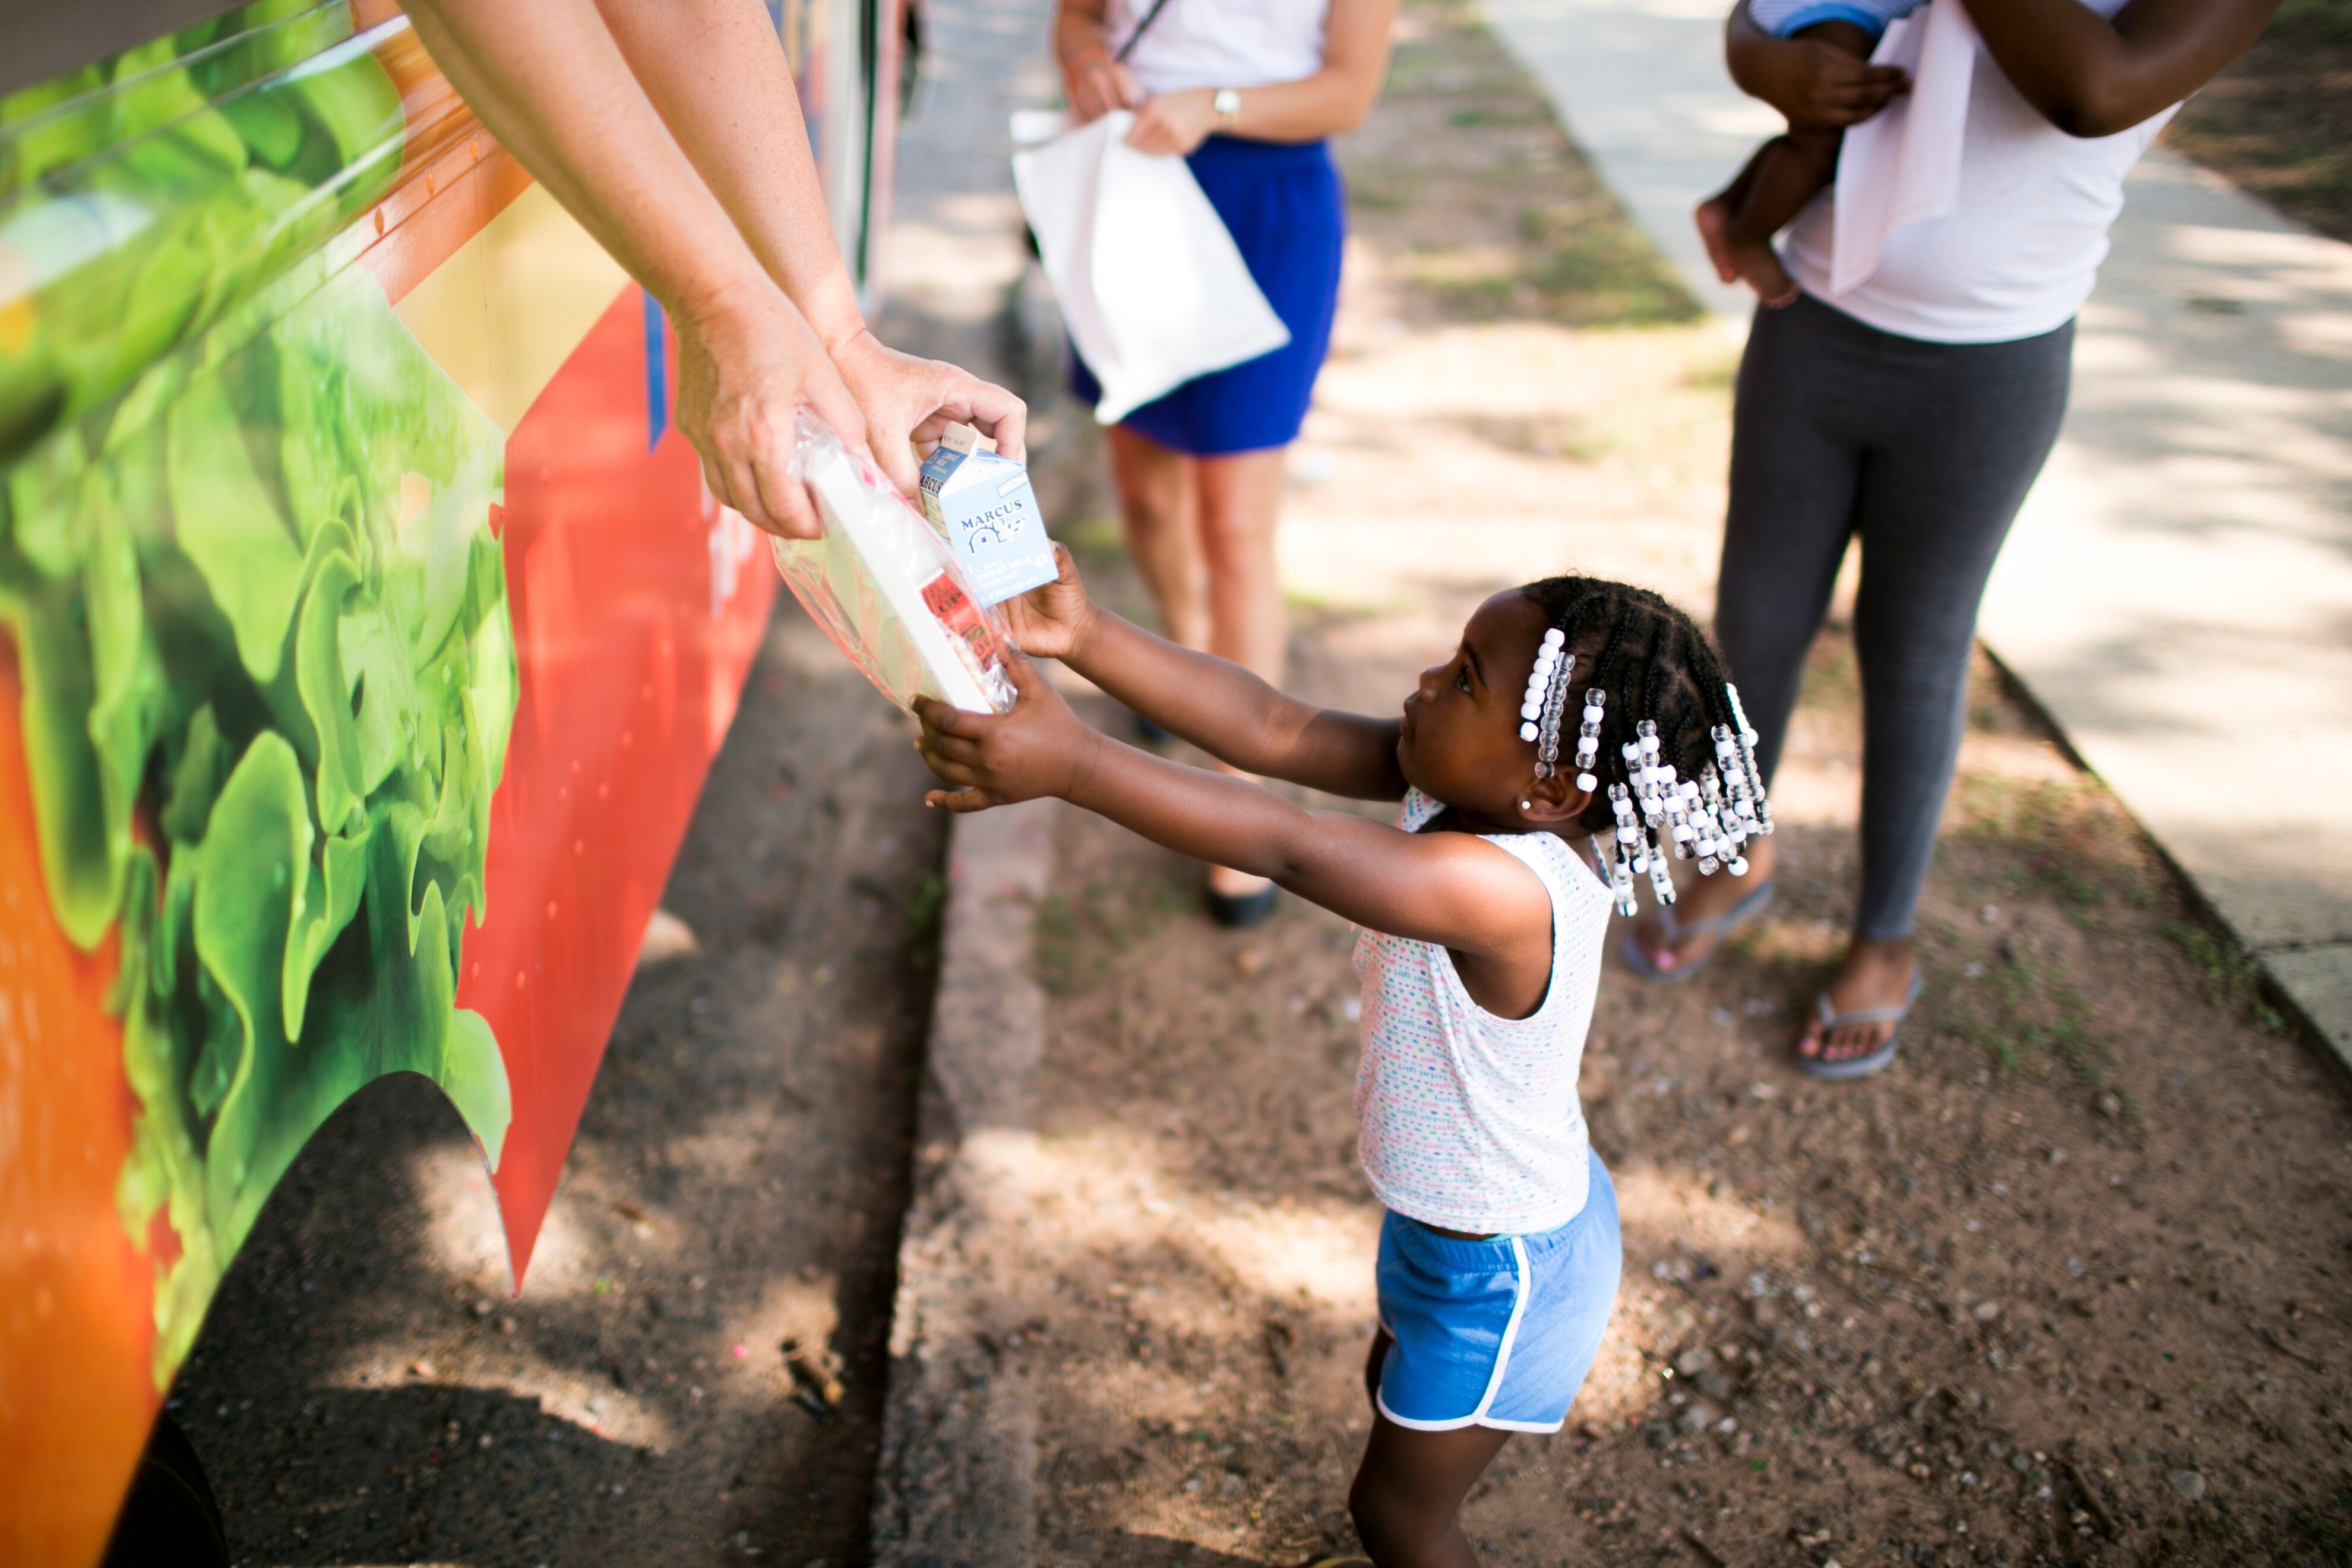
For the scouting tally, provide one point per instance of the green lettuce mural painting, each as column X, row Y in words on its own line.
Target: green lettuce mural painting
column 259, row 619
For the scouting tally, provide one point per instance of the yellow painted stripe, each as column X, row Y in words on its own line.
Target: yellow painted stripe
column 505, row 312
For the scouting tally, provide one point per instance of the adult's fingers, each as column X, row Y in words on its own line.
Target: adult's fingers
column 1004, row 416
column 785, row 500
column 742, row 492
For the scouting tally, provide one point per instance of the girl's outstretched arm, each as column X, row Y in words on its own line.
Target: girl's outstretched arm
column 1447, row 888
column 1219, row 707
column 2091, row 76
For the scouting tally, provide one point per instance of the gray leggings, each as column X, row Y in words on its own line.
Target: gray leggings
column 1926, row 450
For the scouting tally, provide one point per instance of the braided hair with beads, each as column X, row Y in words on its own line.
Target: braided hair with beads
column 1662, row 730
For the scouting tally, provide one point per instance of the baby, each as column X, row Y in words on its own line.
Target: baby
column 1738, row 223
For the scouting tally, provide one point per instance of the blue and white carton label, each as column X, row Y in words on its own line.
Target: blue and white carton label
column 983, row 504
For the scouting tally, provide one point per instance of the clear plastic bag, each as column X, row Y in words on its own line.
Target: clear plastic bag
column 885, row 587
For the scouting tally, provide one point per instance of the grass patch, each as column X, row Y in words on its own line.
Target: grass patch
column 2067, row 838
column 2279, row 121
column 1467, row 177
column 2035, row 1025
column 2230, row 975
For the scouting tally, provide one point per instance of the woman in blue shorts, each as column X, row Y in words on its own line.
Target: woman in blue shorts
column 1246, row 91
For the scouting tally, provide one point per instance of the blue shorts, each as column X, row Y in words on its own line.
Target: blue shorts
column 1500, row 1332
column 1283, row 203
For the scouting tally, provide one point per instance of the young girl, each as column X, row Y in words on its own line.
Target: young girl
column 1572, row 708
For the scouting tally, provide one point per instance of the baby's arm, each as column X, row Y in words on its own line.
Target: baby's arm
column 1810, row 82
column 1219, row 707
column 1448, row 888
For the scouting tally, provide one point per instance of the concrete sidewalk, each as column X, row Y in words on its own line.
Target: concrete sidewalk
column 2177, row 595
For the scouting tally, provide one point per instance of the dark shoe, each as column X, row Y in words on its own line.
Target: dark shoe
column 1239, row 911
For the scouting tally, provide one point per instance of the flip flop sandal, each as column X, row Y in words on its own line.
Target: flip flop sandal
column 1861, row 1067
column 1730, row 920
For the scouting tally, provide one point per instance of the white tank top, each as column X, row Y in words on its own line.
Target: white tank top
column 1220, row 43
column 1464, row 1119
column 2018, row 255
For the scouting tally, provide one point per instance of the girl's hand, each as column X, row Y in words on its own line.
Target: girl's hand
column 1174, row 122
column 1096, row 84
column 1052, row 620
column 996, row 759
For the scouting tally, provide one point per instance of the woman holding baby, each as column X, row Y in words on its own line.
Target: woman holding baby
column 1246, row 91
column 1912, row 411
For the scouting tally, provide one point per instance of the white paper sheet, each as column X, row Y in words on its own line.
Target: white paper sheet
column 1902, row 163
column 1152, row 288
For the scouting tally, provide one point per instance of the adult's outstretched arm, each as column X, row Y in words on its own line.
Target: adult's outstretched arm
column 548, row 78
column 716, row 75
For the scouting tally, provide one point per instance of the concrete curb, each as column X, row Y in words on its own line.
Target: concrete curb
column 955, row 1484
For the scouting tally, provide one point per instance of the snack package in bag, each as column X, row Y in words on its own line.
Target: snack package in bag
column 886, row 588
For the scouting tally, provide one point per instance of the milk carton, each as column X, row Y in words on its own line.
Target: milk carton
column 983, row 504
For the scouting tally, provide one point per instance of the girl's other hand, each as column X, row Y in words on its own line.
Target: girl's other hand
column 996, row 759
column 1097, row 84
column 1050, row 621
column 1174, row 123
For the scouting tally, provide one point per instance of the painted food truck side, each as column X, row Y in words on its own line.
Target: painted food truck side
column 365, row 634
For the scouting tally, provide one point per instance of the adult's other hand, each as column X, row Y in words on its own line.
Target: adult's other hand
column 1097, row 84
column 746, row 367
column 1174, row 122
column 909, row 401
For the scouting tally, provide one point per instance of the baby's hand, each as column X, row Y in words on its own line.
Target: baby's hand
column 996, row 759
column 1049, row 622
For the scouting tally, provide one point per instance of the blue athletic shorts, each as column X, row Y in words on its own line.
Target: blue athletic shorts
column 1499, row 1333
column 1284, row 205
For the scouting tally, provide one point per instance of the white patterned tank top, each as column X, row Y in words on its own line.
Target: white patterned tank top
column 1464, row 1119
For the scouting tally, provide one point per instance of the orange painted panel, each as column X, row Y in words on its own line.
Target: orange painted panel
column 76, row 1299
column 637, row 605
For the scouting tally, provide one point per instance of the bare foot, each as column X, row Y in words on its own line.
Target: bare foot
column 1758, row 265
column 1704, row 900
column 1714, row 220
column 1875, row 974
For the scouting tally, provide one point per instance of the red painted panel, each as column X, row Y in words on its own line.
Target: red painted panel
column 637, row 607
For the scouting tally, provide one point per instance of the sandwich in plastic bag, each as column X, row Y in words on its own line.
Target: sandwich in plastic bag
column 886, row 588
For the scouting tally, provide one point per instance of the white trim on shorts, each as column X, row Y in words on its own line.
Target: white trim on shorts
column 1479, row 1418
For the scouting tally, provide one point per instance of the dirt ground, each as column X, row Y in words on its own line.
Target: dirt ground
column 2279, row 121
column 2068, row 1284
column 366, row 1392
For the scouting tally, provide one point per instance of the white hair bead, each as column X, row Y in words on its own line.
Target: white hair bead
column 1586, row 782
column 1531, row 709
column 1527, row 732
column 1554, row 637
column 1737, row 866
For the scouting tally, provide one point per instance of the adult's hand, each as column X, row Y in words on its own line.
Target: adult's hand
column 1097, row 84
column 1174, row 122
column 909, row 401
column 746, row 367
column 1812, row 84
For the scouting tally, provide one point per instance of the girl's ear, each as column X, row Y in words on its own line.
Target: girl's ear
column 1547, row 803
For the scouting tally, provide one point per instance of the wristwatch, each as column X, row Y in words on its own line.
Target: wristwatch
column 1228, row 105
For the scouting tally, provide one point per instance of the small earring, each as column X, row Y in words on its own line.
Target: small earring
column 1527, row 806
